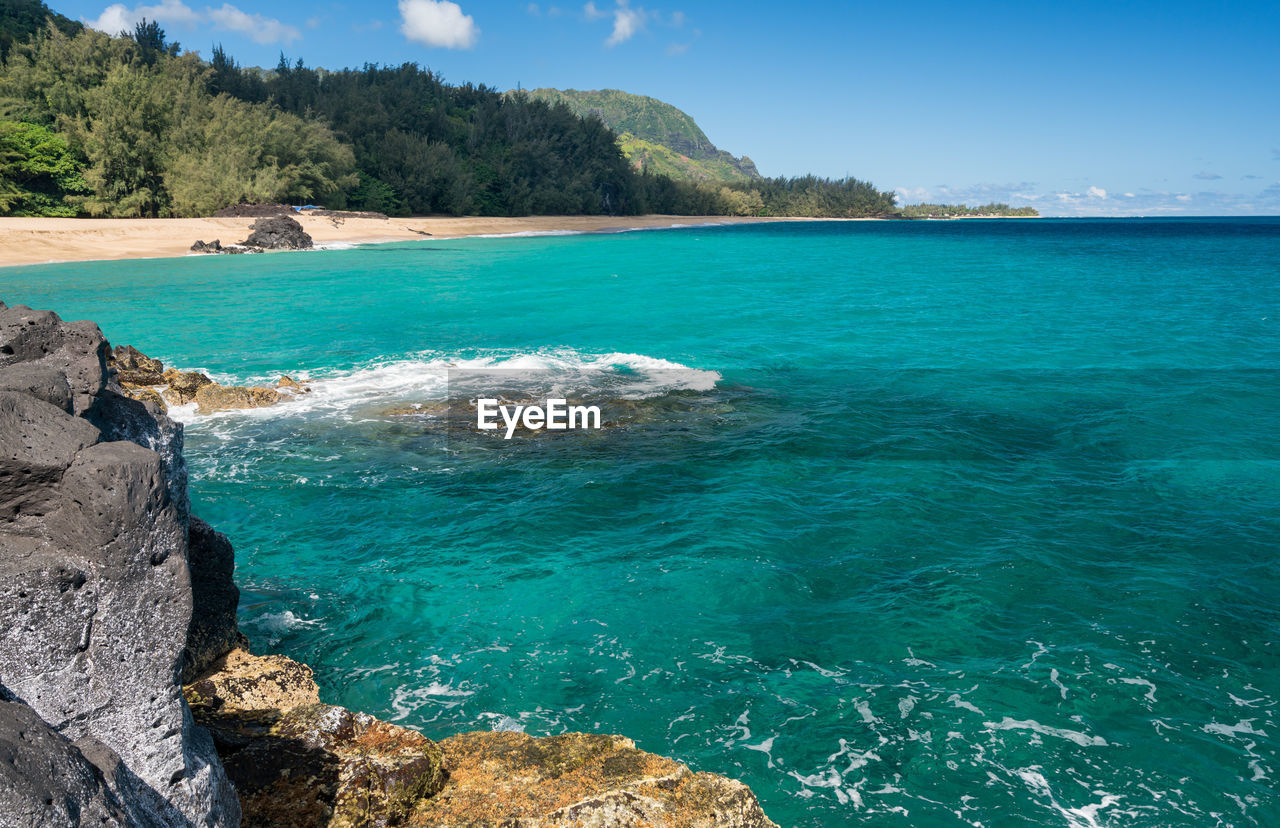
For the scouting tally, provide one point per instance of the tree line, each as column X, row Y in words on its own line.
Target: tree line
column 130, row 125
column 993, row 210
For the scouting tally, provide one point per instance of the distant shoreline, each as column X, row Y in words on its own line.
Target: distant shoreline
column 29, row 241
column 32, row 241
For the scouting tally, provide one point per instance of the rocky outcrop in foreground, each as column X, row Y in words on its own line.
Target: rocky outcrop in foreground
column 128, row 696
column 95, row 592
column 297, row 762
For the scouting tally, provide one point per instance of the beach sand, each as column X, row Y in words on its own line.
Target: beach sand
column 26, row 241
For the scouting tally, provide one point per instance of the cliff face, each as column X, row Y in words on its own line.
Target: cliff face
column 95, row 593
column 113, row 596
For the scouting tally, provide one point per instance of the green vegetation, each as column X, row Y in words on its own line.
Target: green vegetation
column 21, row 19
column 655, row 136
column 139, row 123
column 37, row 171
column 963, row 210
column 130, row 126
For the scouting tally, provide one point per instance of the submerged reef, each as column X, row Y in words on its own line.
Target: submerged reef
column 128, row 695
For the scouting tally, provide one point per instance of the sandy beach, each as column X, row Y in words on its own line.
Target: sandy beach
column 25, row 241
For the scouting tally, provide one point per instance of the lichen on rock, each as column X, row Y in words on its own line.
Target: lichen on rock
column 214, row 397
column 296, row 762
column 182, row 386
column 579, row 779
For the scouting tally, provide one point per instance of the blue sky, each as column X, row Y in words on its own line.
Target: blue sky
column 1117, row 108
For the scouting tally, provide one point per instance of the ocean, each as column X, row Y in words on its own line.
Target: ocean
column 912, row 523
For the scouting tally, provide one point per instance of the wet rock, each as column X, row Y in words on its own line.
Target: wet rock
column 580, row 779
column 296, row 762
column 183, row 386
column 215, row 397
column 293, row 385
column 278, row 233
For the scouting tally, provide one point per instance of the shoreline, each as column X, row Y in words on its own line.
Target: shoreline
column 34, row 241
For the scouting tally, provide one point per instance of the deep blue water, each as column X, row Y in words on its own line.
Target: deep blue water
column 954, row 522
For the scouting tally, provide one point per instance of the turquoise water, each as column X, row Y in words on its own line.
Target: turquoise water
column 974, row 522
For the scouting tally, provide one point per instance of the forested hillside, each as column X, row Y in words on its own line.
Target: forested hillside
column 131, row 126
column 21, row 19
column 655, row 135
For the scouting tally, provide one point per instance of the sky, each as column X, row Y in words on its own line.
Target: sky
column 1075, row 108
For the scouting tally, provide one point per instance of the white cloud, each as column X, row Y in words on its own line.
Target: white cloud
column 626, row 22
column 1128, row 195
column 1183, row 198
column 118, row 18
column 1097, row 192
column 114, row 20
column 592, row 12
column 255, row 26
column 438, row 23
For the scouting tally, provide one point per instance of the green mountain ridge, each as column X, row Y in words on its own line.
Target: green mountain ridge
column 655, row 135
column 130, row 125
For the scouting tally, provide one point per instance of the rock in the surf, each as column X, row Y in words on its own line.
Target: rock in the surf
column 214, row 397
column 183, row 386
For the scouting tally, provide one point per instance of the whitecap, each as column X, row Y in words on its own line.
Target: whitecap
column 428, row 375
column 1082, row 739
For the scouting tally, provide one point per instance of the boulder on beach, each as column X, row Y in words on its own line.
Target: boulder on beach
column 215, row 246
column 278, row 233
